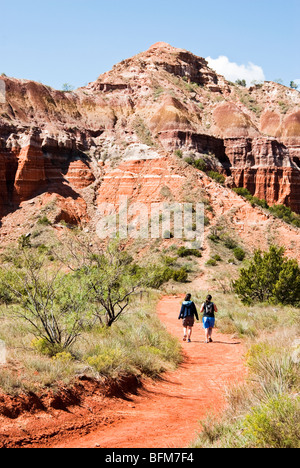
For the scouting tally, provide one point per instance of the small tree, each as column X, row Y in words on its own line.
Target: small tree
column 270, row 278
column 67, row 87
column 51, row 302
column 241, row 83
column 293, row 85
column 112, row 277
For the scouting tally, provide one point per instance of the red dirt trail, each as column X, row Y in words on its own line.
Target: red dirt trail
column 159, row 414
column 166, row 413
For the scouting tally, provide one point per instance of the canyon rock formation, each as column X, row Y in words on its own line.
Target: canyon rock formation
column 130, row 131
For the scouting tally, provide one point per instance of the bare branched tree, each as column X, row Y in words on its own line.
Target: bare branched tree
column 110, row 274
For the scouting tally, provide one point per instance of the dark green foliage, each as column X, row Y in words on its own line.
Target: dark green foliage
column 255, row 201
column 243, row 192
column 270, row 278
column 241, row 83
column 44, row 221
column 199, row 164
column 183, row 252
column 180, row 276
column 160, row 274
column 178, row 153
column 24, row 241
column 220, row 178
column 214, row 238
column 280, row 211
column 211, row 262
column 230, row 243
column 285, row 213
column 239, row 253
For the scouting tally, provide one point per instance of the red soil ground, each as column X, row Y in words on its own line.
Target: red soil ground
column 161, row 414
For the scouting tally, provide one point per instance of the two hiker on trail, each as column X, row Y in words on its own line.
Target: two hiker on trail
column 189, row 312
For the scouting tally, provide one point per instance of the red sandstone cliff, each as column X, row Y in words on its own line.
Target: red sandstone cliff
column 145, row 108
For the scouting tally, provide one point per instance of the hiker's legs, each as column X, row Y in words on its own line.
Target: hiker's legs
column 190, row 329
column 210, row 330
column 206, row 334
column 184, row 332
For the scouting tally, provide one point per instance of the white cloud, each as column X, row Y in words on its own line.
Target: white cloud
column 232, row 71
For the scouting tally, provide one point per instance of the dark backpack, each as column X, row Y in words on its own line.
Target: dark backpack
column 209, row 309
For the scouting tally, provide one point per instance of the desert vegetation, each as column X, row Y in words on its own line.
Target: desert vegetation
column 280, row 211
column 264, row 411
column 75, row 308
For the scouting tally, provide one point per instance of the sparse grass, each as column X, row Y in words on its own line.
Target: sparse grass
column 138, row 344
column 264, row 412
column 143, row 132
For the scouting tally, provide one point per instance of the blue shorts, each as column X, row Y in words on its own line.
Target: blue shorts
column 208, row 322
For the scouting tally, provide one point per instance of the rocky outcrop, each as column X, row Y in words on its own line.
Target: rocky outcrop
column 265, row 167
column 32, row 164
column 144, row 109
column 30, row 175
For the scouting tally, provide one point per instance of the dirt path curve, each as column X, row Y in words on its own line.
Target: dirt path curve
column 165, row 414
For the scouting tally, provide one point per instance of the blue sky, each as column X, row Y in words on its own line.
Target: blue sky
column 74, row 41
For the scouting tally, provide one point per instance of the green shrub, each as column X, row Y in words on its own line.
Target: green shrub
column 275, row 424
column 184, row 252
column 243, row 192
column 161, row 274
column 220, row 178
column 217, row 258
column 239, row 253
column 230, row 243
column 46, row 348
column 106, row 361
column 44, row 221
column 200, row 164
column 211, row 262
column 214, row 238
column 280, row 211
column 270, row 278
column 178, row 153
column 180, row 276
column 259, row 202
column 285, row 213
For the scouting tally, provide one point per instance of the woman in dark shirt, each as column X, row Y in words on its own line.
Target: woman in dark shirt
column 188, row 313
